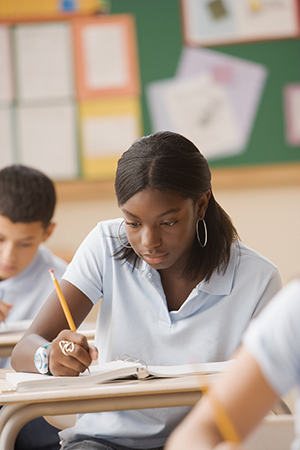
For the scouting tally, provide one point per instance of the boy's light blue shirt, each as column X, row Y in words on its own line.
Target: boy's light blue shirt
column 134, row 319
column 29, row 290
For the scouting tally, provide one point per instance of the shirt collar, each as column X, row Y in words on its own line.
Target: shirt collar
column 218, row 283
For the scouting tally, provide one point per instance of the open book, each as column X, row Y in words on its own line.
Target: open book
column 114, row 370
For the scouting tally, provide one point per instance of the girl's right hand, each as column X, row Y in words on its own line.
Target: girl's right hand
column 79, row 355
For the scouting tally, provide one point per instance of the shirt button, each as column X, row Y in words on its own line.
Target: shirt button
column 182, row 315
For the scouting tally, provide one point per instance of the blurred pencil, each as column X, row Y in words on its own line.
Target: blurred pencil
column 223, row 421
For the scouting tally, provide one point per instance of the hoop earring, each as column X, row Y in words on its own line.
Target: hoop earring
column 205, row 233
column 119, row 237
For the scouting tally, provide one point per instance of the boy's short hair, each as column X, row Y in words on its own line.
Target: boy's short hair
column 26, row 195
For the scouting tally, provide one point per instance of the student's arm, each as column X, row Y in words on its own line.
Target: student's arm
column 245, row 395
column 50, row 325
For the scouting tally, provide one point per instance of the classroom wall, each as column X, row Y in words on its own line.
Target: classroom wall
column 267, row 219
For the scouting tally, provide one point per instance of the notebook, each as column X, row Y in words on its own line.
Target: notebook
column 114, row 370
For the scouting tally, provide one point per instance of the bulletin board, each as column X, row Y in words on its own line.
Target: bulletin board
column 69, row 91
column 272, row 140
column 158, row 47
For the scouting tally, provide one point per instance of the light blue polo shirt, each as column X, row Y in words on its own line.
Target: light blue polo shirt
column 29, row 290
column 134, row 319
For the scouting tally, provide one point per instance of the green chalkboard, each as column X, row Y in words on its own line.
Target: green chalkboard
column 160, row 44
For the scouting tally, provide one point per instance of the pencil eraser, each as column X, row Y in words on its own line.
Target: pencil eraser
column 52, row 275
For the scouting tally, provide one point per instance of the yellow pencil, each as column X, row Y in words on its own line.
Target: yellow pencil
column 63, row 301
column 223, row 421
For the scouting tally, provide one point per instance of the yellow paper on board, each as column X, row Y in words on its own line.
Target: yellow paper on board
column 107, row 128
column 21, row 9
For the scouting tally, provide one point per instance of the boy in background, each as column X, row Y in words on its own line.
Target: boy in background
column 27, row 203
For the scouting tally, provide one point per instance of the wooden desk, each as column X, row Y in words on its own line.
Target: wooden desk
column 23, row 406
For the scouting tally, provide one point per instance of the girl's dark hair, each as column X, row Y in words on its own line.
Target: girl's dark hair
column 168, row 161
column 26, row 195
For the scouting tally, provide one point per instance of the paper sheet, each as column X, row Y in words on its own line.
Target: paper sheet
column 238, row 82
column 106, row 56
column 105, row 53
column 200, row 110
column 108, row 127
column 243, row 80
column 101, row 139
column 47, row 139
column 44, row 61
column 292, row 113
column 6, row 140
column 6, row 85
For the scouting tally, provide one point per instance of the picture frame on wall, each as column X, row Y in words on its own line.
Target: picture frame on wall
column 220, row 22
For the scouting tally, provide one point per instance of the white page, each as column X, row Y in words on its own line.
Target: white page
column 106, row 136
column 6, row 142
column 200, row 110
column 48, row 140
column 292, row 113
column 97, row 373
column 243, row 80
column 6, row 85
column 105, row 56
column 44, row 61
column 112, row 370
column 189, row 369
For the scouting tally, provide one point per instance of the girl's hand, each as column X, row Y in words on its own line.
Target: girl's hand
column 4, row 310
column 78, row 357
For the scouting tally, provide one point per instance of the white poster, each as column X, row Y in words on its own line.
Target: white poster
column 6, row 76
column 47, row 139
column 6, row 142
column 44, row 62
column 108, row 136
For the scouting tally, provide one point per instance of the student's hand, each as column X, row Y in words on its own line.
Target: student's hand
column 4, row 310
column 78, row 354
